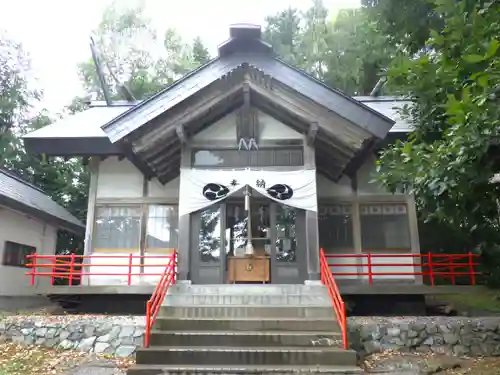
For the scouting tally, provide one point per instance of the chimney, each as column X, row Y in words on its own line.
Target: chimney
column 244, row 38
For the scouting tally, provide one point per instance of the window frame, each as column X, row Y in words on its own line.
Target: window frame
column 249, row 153
column 352, row 215
column 21, row 247
column 364, row 249
column 95, row 232
column 146, row 212
column 143, row 226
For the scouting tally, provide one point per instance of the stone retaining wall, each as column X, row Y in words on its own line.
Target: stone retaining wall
column 120, row 336
column 443, row 335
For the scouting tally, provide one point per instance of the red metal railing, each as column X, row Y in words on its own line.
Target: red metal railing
column 154, row 303
column 73, row 267
column 433, row 268
column 338, row 303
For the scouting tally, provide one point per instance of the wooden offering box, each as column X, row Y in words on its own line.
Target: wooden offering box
column 246, row 269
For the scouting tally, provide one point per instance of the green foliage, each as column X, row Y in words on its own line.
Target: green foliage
column 283, row 32
column 449, row 160
column 66, row 182
column 345, row 51
column 130, row 51
column 200, row 52
column 405, row 22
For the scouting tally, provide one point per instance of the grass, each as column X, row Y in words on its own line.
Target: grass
column 483, row 299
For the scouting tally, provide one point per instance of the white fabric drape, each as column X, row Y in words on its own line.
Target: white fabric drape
column 202, row 188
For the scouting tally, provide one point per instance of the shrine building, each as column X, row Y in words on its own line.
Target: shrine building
column 247, row 166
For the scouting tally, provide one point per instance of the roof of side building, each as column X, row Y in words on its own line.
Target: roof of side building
column 22, row 196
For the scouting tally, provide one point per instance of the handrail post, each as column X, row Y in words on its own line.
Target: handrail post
column 431, row 271
column 452, row 268
column 344, row 323
column 130, row 269
column 370, row 275
column 321, row 272
column 174, row 264
column 148, row 324
column 471, row 269
column 33, row 269
column 54, row 269
column 71, row 269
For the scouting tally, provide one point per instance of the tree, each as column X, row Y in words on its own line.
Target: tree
column 405, row 22
column 131, row 54
column 64, row 181
column 450, row 158
column 283, row 32
column 16, row 95
column 200, row 52
column 345, row 51
column 359, row 53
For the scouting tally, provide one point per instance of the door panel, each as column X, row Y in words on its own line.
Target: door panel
column 288, row 255
column 206, row 246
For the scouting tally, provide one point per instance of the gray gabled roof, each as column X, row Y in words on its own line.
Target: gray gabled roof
column 81, row 133
column 19, row 195
column 85, row 124
column 334, row 100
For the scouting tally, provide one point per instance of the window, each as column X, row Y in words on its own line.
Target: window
column 162, row 227
column 335, row 227
column 384, row 226
column 289, row 156
column 286, row 234
column 209, row 245
column 117, row 228
column 14, row 254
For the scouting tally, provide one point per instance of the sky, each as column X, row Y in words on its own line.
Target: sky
column 56, row 32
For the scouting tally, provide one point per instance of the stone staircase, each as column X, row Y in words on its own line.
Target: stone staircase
column 246, row 329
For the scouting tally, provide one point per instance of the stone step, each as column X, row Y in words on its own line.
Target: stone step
column 243, row 370
column 248, row 289
column 245, row 324
column 291, row 356
column 183, row 299
column 247, row 311
column 246, row 338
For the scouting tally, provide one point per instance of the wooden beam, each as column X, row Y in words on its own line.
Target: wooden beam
column 198, row 110
column 343, row 131
column 154, row 152
column 136, row 160
column 327, row 173
column 324, row 145
column 169, row 173
column 173, row 163
column 215, row 114
column 181, row 134
column 369, row 145
column 247, row 117
column 165, row 155
column 312, row 132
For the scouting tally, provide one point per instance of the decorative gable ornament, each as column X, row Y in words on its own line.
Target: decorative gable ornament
column 251, row 144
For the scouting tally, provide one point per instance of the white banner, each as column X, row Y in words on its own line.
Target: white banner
column 202, row 188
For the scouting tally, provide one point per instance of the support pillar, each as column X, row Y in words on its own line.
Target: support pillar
column 91, row 210
column 311, row 221
column 183, row 248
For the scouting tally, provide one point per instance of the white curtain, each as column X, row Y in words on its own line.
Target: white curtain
column 202, row 188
